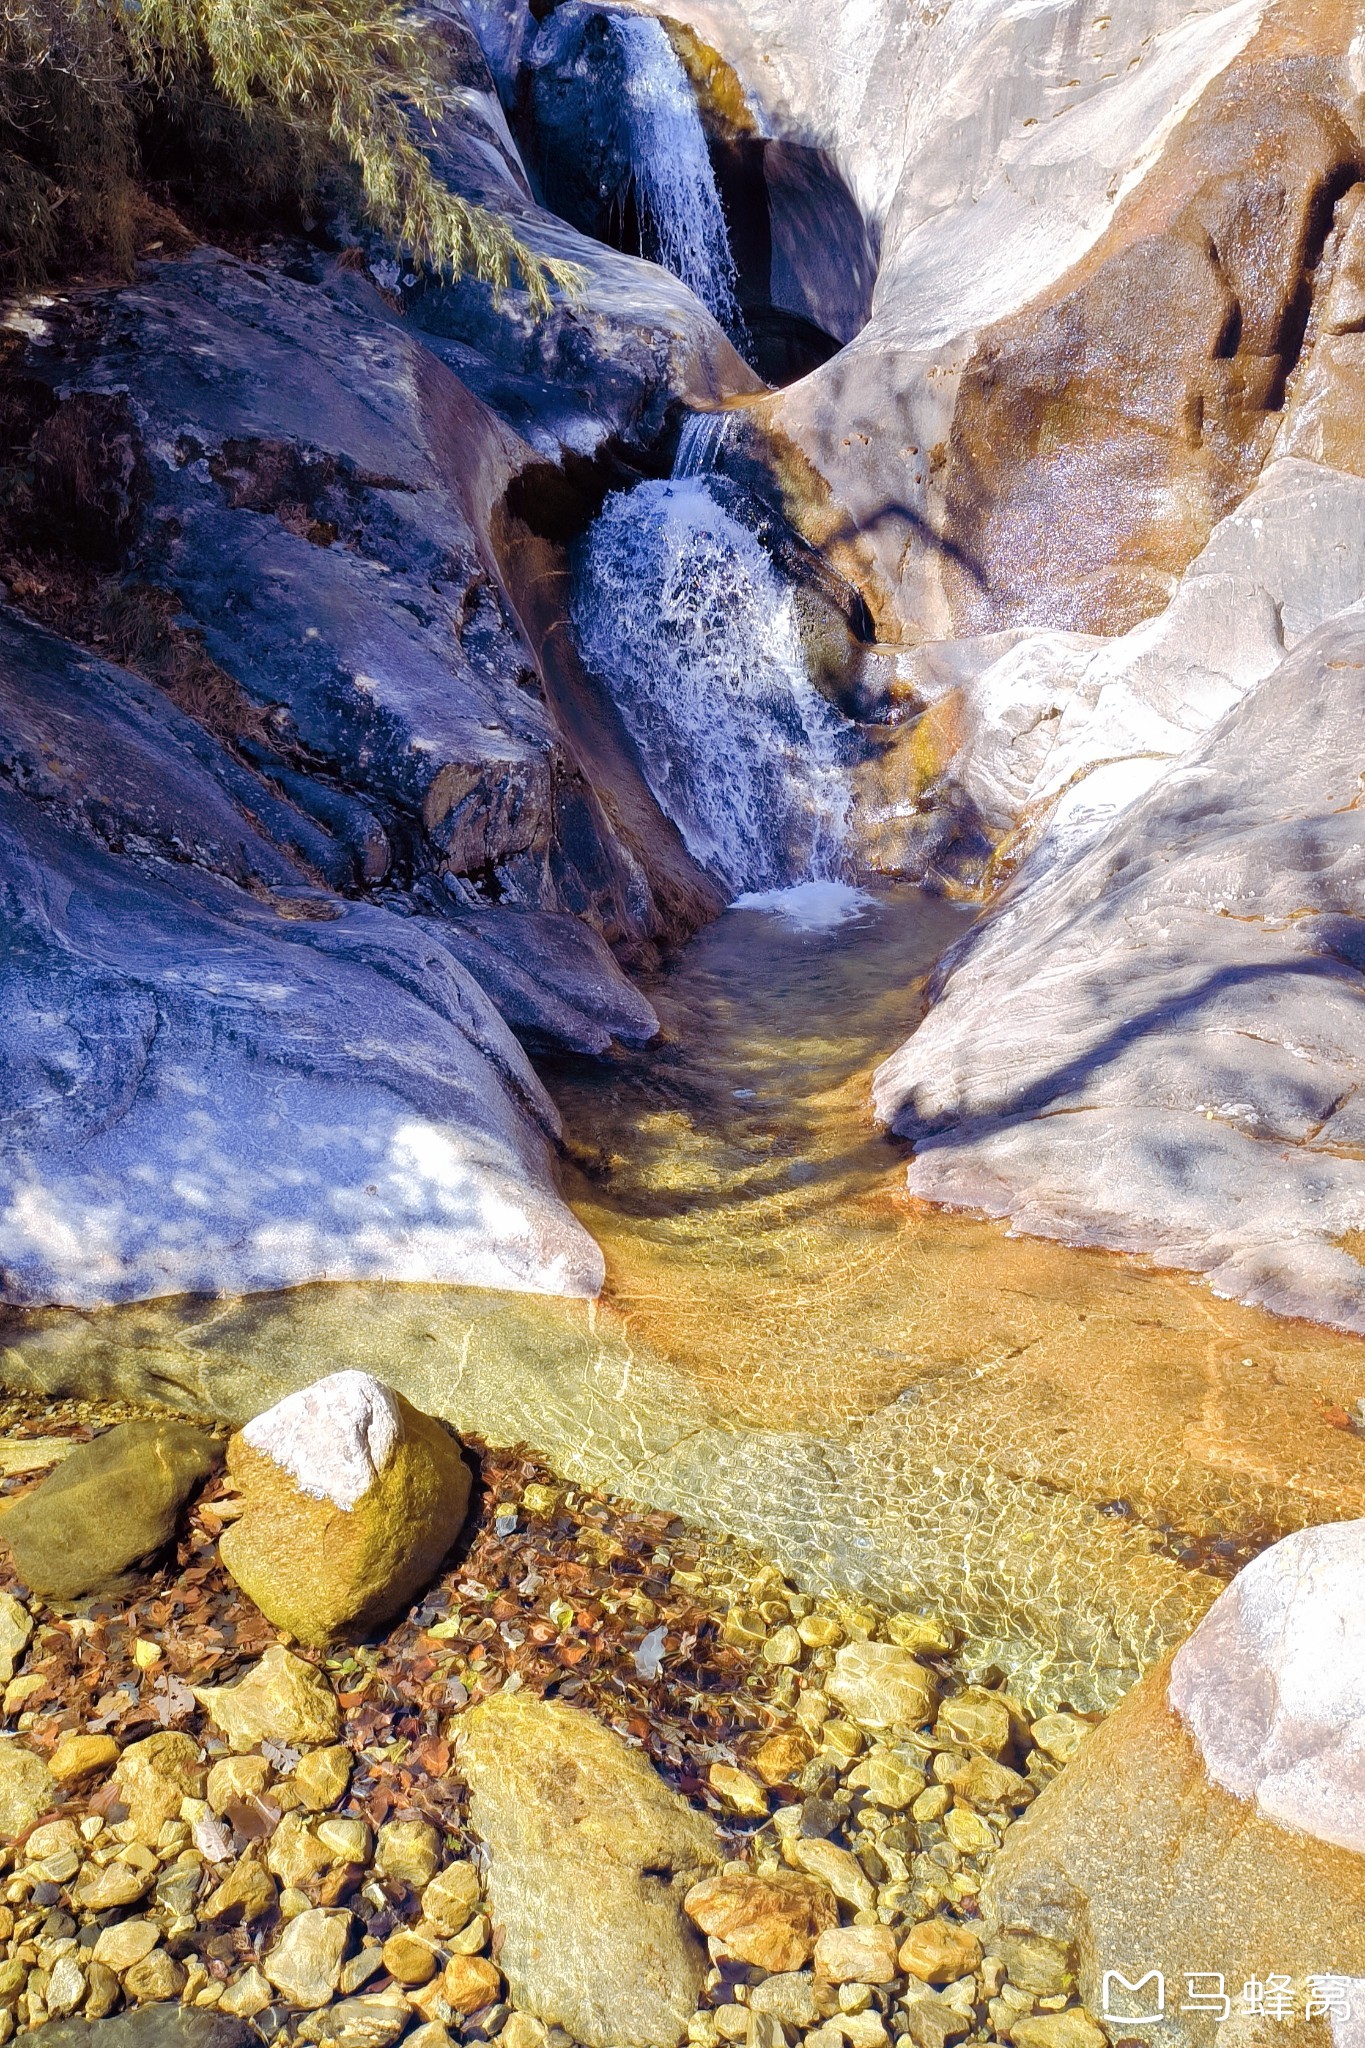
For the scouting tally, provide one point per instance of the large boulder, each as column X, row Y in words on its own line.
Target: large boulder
column 1156, row 1045
column 1098, row 235
column 211, row 1092
column 352, row 1498
column 1212, row 1831
column 109, row 1507
column 610, row 1955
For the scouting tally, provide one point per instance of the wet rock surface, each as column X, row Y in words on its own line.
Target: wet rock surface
column 350, row 1500
column 392, row 1864
column 1214, row 1819
column 109, row 1507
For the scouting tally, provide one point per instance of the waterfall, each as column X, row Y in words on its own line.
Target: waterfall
column 675, row 186
column 701, row 443
column 680, row 611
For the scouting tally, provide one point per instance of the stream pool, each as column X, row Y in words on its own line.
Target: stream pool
column 1065, row 1451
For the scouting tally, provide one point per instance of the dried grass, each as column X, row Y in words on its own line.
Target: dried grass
column 309, row 76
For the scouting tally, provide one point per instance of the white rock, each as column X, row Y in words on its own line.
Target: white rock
column 333, row 1438
column 1272, row 1684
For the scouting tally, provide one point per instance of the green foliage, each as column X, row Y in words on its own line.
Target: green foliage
column 347, row 75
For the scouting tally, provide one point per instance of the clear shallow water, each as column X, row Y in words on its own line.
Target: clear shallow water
column 1060, row 1449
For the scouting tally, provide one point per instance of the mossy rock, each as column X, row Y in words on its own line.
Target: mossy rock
column 352, row 1499
column 107, row 1509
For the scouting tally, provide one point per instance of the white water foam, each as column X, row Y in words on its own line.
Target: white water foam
column 810, row 906
column 675, row 186
column 680, row 611
column 701, row 443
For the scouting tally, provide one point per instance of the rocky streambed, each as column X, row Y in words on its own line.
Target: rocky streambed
column 605, row 1780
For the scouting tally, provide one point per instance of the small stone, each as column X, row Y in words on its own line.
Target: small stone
column 471, row 1940
column 842, row 1741
column 146, row 1653
column 236, row 1779
column 157, row 1978
column 838, row 1869
column 451, row 1900
column 21, row 1689
column 353, row 1497
column 281, row 1699
column 881, row 1685
column 864, row 2030
column 247, row 1893
column 409, row 1850
column 80, row 1757
column 52, row 1839
column 26, row 1790
column 154, row 1776
column 358, row 1969
column 764, row 2031
column 892, row 1780
column 967, row 1831
column 346, row 1837
column 789, row 1997
column 470, row 1982
column 931, row 2022
column 108, row 1506
column 103, row 1891
column 741, row 1793
column 305, row 1963
column 16, row 1626
column 103, row 1993
column 819, row 1631
column 13, row 1983
column 932, row 1804
column 928, row 1635
column 939, row 1952
column 975, row 1719
column 1060, row 1735
column 431, row 2034
column 296, row 1855
column 783, row 1647
column 408, row 1959
column 783, row 1756
column 523, row 2030
column 983, row 1782
column 247, row 1995
column 66, row 1987
column 373, row 2022
column 770, row 1922
column 323, row 1777
column 1037, row 1965
column 856, row 1955
column 125, row 1943
column 1070, row 2029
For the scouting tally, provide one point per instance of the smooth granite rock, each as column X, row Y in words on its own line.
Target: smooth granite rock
column 1157, row 1046
column 108, row 1508
column 1214, row 1820
column 207, row 1092
column 610, row 1957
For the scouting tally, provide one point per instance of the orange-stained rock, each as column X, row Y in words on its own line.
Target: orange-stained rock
column 782, row 1756
column 470, row 1982
column 1100, row 435
column 771, row 1922
column 939, row 1951
column 1132, row 1861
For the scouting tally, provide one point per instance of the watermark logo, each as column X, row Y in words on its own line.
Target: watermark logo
column 1141, row 2001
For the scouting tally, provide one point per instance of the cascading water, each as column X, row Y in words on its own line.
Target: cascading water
column 681, row 612
column 701, row 443
column 675, row 186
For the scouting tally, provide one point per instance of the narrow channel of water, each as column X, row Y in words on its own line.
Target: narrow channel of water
column 1061, row 1450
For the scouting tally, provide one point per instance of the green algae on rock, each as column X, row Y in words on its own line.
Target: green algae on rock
column 352, row 1498
column 107, row 1507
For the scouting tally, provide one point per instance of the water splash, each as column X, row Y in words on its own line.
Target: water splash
column 675, row 186
column 681, row 612
column 701, row 443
